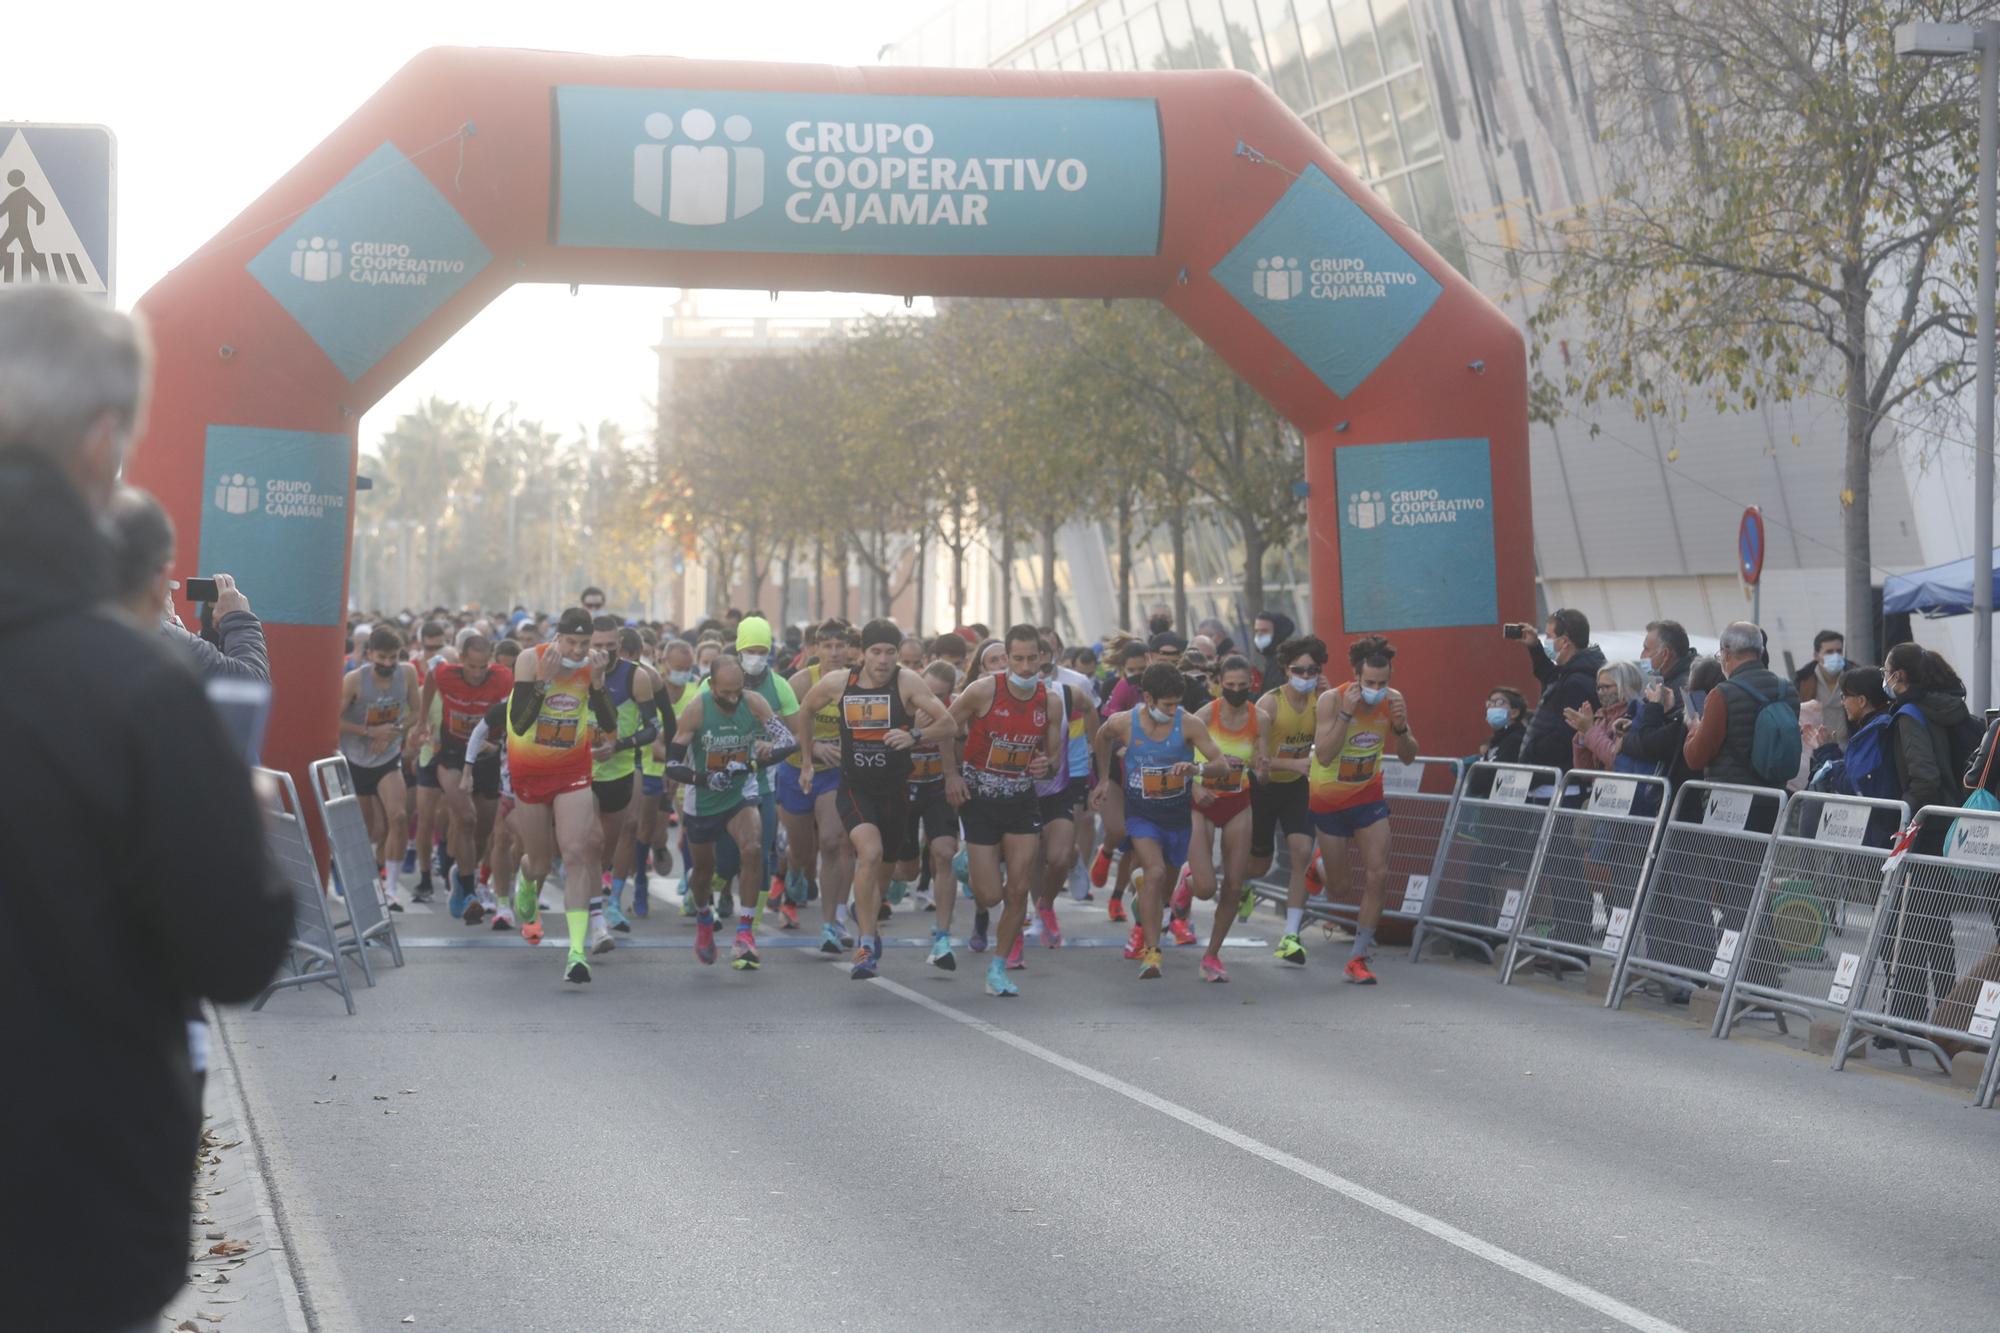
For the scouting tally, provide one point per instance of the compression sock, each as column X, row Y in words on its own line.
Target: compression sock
column 579, row 926
column 745, row 921
column 1364, row 943
column 1294, row 918
column 618, row 891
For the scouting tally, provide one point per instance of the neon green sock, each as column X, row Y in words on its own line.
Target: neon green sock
column 579, row 926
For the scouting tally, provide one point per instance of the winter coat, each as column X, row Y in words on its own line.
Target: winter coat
column 1570, row 684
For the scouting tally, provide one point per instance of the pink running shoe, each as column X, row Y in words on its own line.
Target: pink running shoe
column 1183, row 900
column 704, row 937
column 1212, row 969
column 1183, row 933
column 1051, row 932
column 1135, row 945
column 1015, row 962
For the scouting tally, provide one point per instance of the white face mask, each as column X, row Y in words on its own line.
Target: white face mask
column 1302, row 686
column 754, row 663
column 575, row 663
column 680, row 677
column 1263, row 642
column 1158, row 716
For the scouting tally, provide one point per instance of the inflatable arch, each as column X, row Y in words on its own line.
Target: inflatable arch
column 475, row 169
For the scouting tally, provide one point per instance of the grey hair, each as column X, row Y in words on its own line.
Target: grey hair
column 1625, row 675
column 1741, row 638
column 65, row 362
column 142, row 539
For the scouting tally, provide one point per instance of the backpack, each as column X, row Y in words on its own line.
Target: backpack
column 1956, row 747
column 1776, row 744
column 1981, row 774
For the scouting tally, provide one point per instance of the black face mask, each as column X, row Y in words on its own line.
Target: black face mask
column 383, row 671
column 1159, row 624
column 1236, row 698
column 1134, row 676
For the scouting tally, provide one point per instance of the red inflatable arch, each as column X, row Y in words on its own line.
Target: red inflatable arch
column 475, row 169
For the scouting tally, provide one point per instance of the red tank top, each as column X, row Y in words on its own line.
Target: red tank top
column 1000, row 745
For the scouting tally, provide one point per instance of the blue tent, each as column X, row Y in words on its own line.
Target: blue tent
column 1941, row 590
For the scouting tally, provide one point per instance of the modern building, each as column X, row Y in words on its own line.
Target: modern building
column 1475, row 121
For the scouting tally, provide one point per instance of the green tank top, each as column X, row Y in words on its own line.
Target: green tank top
column 721, row 740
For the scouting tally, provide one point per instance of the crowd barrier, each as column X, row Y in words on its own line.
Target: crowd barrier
column 1487, row 859
column 315, row 950
column 368, row 920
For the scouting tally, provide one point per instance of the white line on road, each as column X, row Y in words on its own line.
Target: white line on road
column 1583, row 1295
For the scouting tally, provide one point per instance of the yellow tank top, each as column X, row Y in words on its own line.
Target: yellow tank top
column 826, row 722
column 1234, row 745
column 1355, row 775
column 1292, row 731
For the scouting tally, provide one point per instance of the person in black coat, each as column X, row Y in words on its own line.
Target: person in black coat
column 1267, row 632
column 1567, row 667
column 136, row 880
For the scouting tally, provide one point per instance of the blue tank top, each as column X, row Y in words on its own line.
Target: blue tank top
column 1152, row 791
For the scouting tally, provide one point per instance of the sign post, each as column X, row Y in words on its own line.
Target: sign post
column 1750, row 558
column 58, row 206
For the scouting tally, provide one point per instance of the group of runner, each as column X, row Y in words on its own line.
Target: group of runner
column 885, row 762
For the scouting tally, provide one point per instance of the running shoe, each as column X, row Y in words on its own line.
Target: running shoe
column 1051, row 932
column 866, row 964
column 423, row 893
column 527, row 903
column 1015, row 961
column 1135, row 944
column 829, row 940
column 531, row 930
column 1183, row 901
column 942, row 957
column 884, row 912
column 615, row 918
column 577, row 970
column 726, row 907
column 475, row 912
column 899, row 889
column 1291, row 951
column 744, row 957
column 1150, row 966
column 456, row 904
column 777, row 892
column 1116, row 910
column 687, row 901
column 1183, row 933
column 502, row 919
column 788, row 915
column 1247, row 906
column 1100, row 868
column 1357, row 972
column 598, row 937
column 843, row 921
column 977, row 940
column 1212, row 969
column 997, row 984
column 796, row 888
column 389, row 898
column 410, row 860
column 704, row 937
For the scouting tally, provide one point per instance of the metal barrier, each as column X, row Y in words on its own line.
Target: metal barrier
column 1599, row 845
column 1814, row 909
column 313, row 937
column 1421, row 795
column 353, row 857
column 1940, row 905
column 1477, row 888
column 1692, row 913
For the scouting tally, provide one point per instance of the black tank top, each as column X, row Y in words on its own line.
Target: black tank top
column 867, row 763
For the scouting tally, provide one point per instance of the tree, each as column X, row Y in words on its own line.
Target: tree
column 1792, row 209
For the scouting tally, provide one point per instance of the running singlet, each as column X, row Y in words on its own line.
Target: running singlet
column 1000, row 746
column 867, row 714
column 618, row 685
column 670, row 703
column 1153, row 790
column 1292, row 731
column 927, row 760
column 1079, row 743
column 555, row 749
column 722, row 746
column 1064, row 768
column 826, row 722
column 1234, row 745
column 462, row 704
column 1355, row 776
column 376, row 704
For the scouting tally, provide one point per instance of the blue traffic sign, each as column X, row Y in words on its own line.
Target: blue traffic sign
column 58, row 207
column 1750, row 545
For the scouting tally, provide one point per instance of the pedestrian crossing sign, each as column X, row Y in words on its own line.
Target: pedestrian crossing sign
column 57, row 200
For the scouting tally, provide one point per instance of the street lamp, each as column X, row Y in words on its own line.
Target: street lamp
column 1983, row 40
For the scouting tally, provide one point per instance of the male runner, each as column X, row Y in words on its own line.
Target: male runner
column 812, row 824
column 463, row 691
column 1160, row 739
column 878, row 702
column 420, row 762
column 488, row 769
column 629, row 686
column 1066, row 788
column 558, row 692
column 753, row 650
column 720, row 737
column 1355, row 726
column 377, row 708
column 1280, row 797
column 675, row 679
column 1012, row 739
column 932, row 823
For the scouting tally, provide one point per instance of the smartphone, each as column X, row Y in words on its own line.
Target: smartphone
column 245, row 707
column 199, row 590
column 1511, row 631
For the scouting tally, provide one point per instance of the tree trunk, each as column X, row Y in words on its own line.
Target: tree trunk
column 957, row 562
column 1006, row 576
column 1048, row 573
column 1861, row 626
column 1125, row 560
column 1254, row 546
column 785, row 585
column 819, row 578
column 841, row 561
column 881, row 573
column 917, row 580
column 1177, row 530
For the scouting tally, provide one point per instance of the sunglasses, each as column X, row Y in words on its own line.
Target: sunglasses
column 1306, row 673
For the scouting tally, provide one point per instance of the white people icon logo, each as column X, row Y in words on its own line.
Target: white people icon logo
column 236, row 493
column 317, row 260
column 697, row 183
column 1366, row 509
column 1277, row 279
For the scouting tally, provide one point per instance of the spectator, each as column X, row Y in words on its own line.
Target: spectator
column 1125, row 689
column 1567, row 667
column 1270, row 629
column 1217, row 634
column 1658, row 725
column 1506, row 714
column 1160, row 621
column 1865, row 763
column 142, row 539
column 1819, row 680
column 1721, row 743
column 1930, row 718
column 179, row 902
column 1598, row 731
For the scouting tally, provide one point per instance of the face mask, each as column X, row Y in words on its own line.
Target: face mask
column 1372, row 696
column 383, row 671
column 1236, row 698
column 1301, row 683
column 1549, row 646
column 1263, row 642
column 1158, row 716
column 1834, row 663
column 680, row 677
column 754, row 663
column 1027, row 682
column 1496, row 718
column 575, row 663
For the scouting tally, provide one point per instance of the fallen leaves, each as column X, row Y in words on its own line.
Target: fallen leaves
column 229, row 1248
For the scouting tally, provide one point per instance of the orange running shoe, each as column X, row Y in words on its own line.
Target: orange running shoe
column 1136, row 945
column 1183, row 932
column 1358, row 973
column 1117, row 909
column 531, row 931
column 1100, row 869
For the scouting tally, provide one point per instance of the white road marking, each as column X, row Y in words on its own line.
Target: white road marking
column 1583, row 1295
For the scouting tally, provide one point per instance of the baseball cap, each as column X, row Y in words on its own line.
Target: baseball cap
column 575, row 620
column 753, row 632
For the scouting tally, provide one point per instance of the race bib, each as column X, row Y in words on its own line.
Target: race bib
column 926, row 765
column 556, row 733
column 459, row 726
column 1010, row 755
column 384, row 713
column 1161, row 783
column 866, row 715
column 1358, row 768
column 1235, row 780
column 726, row 750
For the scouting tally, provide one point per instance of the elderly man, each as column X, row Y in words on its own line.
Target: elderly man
column 130, row 811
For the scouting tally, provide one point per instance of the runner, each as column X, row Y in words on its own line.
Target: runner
column 462, row 692
column 676, row 678
column 613, row 780
column 718, row 739
column 812, row 825
column 753, row 651
column 1160, row 739
column 1110, row 807
column 878, row 702
column 377, row 708
column 1280, row 796
column 503, row 853
column 1060, row 794
column 989, row 659
column 1223, row 805
column 1355, row 726
column 558, row 691
column 932, row 824
column 1013, row 739
column 420, row 766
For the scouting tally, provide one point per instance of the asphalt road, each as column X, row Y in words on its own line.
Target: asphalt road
column 484, row 1148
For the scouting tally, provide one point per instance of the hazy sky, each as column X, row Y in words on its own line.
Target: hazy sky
column 213, row 102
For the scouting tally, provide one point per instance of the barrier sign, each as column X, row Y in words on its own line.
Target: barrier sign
column 1987, row 1012
column 1510, row 786
column 1612, row 796
column 1843, row 978
column 1727, row 810
column 1842, row 824
column 1400, row 779
column 1413, row 893
column 1725, row 953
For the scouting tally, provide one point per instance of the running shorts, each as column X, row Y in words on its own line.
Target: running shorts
column 1346, row 823
column 427, row 774
column 796, row 800
column 613, row 794
column 366, row 779
column 1173, row 841
column 888, row 811
column 652, row 784
column 541, row 790
column 987, row 819
column 486, row 777
column 1275, row 806
column 709, row 828
column 1065, row 803
column 1224, row 807
column 930, row 810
